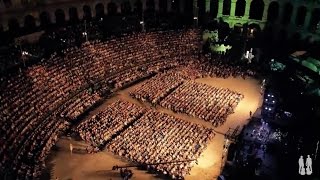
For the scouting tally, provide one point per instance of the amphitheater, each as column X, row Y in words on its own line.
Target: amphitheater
column 135, row 100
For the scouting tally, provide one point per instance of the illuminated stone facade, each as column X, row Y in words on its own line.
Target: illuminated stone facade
column 286, row 16
column 17, row 11
column 283, row 16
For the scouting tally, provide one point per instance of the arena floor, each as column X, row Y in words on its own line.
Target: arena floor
column 82, row 166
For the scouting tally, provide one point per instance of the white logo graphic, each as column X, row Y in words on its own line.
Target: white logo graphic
column 305, row 169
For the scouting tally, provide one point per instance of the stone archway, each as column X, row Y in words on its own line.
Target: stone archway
column 60, row 17
column 226, row 7
column 150, row 5
column 163, row 6
column 44, row 19
column 273, row 11
column 301, row 14
column 287, row 13
column 29, row 24
column 138, row 8
column 176, row 6
column 256, row 9
column 240, row 7
column 14, row 26
column 112, row 9
column 126, row 8
column 87, row 14
column 214, row 4
column 73, row 14
column 315, row 20
column 99, row 10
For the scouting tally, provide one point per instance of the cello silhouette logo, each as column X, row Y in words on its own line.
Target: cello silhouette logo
column 305, row 168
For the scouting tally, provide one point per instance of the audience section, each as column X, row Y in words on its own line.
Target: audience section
column 55, row 87
column 157, row 138
column 156, row 88
column 203, row 101
column 106, row 124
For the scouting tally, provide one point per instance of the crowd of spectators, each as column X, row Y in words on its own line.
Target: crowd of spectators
column 84, row 100
column 36, row 96
column 158, row 87
column 107, row 123
column 203, row 101
column 160, row 138
column 221, row 67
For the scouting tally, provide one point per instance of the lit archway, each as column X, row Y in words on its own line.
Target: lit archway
column 60, row 17
column 176, row 5
column 163, row 6
column 138, row 8
column 29, row 23
column 126, row 7
column 73, row 14
column 214, row 4
column 301, row 14
column 256, row 9
column 273, row 11
column 112, row 8
column 13, row 25
column 240, row 7
column 44, row 19
column 150, row 5
column 226, row 7
column 287, row 13
column 315, row 19
column 99, row 10
column 87, row 15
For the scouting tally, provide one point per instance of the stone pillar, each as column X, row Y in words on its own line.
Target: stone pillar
column 294, row 14
column 207, row 6
column 169, row 5
column 307, row 18
column 181, row 6
column 80, row 12
column 247, row 10
column 233, row 8
column 66, row 14
column 220, row 8
column 118, row 7
column 52, row 15
column 93, row 10
column 144, row 5
column 156, row 5
column 265, row 10
column 280, row 15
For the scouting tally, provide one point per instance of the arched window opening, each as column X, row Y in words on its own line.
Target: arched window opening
column 256, row 9
column 240, row 7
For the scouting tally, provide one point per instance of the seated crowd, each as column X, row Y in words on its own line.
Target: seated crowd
column 140, row 72
column 107, row 123
column 79, row 104
column 159, row 138
column 216, row 66
column 203, row 101
column 29, row 97
column 156, row 88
